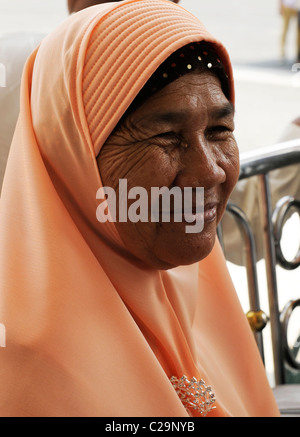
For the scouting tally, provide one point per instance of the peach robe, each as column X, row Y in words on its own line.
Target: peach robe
column 89, row 331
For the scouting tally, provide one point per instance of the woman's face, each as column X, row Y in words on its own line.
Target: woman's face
column 182, row 136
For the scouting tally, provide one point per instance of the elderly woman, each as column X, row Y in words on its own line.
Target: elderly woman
column 123, row 317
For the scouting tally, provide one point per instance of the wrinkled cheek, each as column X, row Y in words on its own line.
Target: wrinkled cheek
column 226, row 192
column 235, row 172
column 235, row 167
column 232, row 169
column 139, row 239
column 176, row 247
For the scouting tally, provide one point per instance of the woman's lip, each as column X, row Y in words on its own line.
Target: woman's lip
column 210, row 212
column 208, row 215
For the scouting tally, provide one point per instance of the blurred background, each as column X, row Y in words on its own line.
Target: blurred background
column 267, row 90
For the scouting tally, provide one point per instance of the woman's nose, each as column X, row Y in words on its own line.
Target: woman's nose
column 201, row 167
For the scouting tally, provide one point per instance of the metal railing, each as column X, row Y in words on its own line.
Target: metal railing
column 259, row 164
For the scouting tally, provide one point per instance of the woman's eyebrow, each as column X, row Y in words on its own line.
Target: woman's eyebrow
column 169, row 117
column 223, row 111
column 161, row 118
column 173, row 117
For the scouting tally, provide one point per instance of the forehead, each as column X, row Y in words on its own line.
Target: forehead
column 192, row 93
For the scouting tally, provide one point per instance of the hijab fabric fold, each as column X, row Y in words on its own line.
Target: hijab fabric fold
column 89, row 331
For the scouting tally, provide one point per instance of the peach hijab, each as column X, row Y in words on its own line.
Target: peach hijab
column 88, row 331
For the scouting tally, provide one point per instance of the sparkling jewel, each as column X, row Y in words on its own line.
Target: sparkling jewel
column 194, row 394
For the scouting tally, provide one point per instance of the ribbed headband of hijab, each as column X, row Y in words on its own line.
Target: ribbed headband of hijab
column 193, row 57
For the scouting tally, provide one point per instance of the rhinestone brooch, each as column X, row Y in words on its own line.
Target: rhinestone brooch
column 194, row 394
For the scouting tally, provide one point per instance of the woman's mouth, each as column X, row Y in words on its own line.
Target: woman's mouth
column 210, row 212
column 207, row 214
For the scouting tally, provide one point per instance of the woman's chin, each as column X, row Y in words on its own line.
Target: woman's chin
column 175, row 254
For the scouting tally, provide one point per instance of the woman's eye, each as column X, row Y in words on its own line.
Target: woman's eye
column 218, row 132
column 169, row 138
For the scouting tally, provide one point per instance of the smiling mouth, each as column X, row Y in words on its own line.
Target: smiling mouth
column 209, row 214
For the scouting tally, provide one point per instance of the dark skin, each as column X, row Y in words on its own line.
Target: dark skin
column 77, row 5
column 181, row 136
